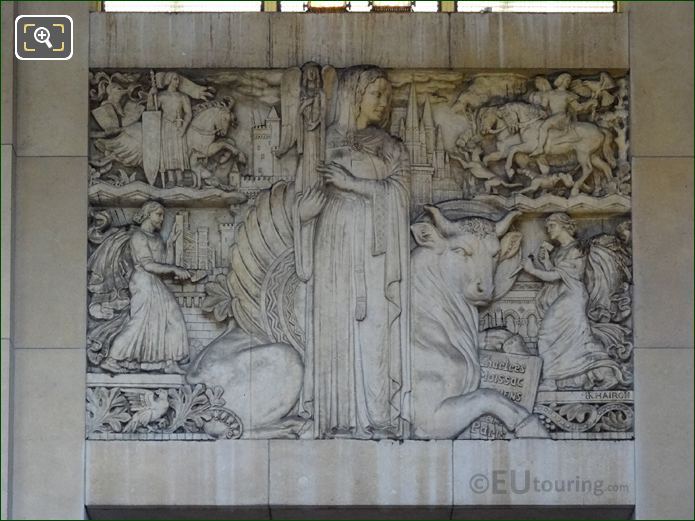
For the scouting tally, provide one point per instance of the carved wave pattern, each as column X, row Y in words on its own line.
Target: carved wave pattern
column 136, row 193
column 553, row 203
column 278, row 305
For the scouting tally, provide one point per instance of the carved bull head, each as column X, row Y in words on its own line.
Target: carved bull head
column 468, row 250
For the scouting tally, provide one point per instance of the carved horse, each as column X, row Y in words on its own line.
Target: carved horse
column 205, row 138
column 516, row 128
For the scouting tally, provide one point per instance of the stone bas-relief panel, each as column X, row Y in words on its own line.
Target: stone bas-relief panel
column 314, row 253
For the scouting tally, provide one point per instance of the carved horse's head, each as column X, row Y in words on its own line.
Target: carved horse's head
column 487, row 121
column 215, row 117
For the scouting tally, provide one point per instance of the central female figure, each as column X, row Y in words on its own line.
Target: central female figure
column 352, row 245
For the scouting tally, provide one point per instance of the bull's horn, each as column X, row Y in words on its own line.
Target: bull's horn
column 502, row 226
column 442, row 224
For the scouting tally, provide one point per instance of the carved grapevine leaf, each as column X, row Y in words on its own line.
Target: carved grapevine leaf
column 190, row 405
column 615, row 421
column 214, row 394
column 218, row 299
column 107, row 410
column 578, row 412
column 616, row 417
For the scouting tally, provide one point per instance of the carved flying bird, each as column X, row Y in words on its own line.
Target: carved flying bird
column 146, row 407
column 596, row 89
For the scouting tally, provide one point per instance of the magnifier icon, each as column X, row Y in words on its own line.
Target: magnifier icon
column 42, row 35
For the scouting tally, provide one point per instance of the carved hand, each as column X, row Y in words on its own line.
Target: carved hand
column 544, row 258
column 338, row 176
column 181, row 274
column 528, row 266
column 310, row 204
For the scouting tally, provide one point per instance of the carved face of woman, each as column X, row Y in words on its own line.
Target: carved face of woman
column 375, row 101
column 175, row 82
column 557, row 232
column 554, row 230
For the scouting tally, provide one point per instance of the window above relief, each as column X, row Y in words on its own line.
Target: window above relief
column 163, row 6
column 536, row 7
column 357, row 6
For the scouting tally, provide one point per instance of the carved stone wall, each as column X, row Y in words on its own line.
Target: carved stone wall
column 367, row 253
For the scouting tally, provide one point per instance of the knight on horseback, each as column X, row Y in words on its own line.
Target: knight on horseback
column 562, row 105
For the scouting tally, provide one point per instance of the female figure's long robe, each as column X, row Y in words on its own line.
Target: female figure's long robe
column 357, row 376
column 155, row 333
column 565, row 339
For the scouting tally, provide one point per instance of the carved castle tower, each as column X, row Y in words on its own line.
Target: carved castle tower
column 265, row 168
column 265, row 140
column 226, row 241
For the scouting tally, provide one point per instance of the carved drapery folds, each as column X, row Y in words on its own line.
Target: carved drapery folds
column 368, row 253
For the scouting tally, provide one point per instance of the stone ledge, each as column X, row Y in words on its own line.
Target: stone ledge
column 360, row 473
column 423, row 40
column 537, row 472
column 222, row 474
column 415, row 39
column 363, row 479
column 546, row 41
column 179, row 40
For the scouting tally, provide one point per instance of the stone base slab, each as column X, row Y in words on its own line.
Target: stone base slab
column 361, row 479
column 538, row 472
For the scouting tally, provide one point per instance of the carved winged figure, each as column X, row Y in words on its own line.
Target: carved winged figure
column 120, row 98
column 306, row 106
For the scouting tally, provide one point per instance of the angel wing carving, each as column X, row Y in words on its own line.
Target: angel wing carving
column 330, row 88
column 608, row 277
column 109, row 268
